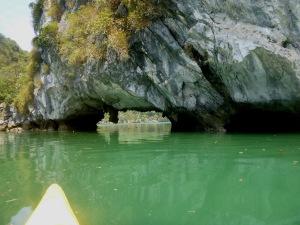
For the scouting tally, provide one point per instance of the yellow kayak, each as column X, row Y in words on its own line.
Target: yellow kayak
column 53, row 209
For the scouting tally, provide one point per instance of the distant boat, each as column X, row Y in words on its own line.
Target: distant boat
column 53, row 209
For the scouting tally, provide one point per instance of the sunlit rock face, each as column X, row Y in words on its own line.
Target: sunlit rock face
column 200, row 65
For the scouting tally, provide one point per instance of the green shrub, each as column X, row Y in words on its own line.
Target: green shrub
column 95, row 27
column 48, row 35
column 69, row 4
column 141, row 13
column 79, row 41
column 17, row 71
column 25, row 94
column 12, row 58
column 35, row 61
column 37, row 12
column 118, row 40
column 25, row 83
column 54, row 10
column 8, row 89
column 13, row 63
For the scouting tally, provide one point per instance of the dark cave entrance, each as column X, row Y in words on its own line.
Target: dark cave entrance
column 87, row 122
column 259, row 120
column 185, row 122
column 244, row 120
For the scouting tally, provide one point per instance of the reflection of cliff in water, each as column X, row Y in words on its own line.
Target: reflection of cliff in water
column 135, row 133
column 46, row 152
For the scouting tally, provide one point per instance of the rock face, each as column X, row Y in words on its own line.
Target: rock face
column 208, row 65
column 8, row 119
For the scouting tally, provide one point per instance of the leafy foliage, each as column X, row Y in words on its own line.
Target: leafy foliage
column 17, row 70
column 95, row 28
column 13, row 62
column 54, row 10
column 98, row 26
column 141, row 13
column 35, row 61
column 37, row 12
column 25, row 84
column 24, row 96
column 48, row 35
column 12, row 58
column 82, row 39
column 8, row 90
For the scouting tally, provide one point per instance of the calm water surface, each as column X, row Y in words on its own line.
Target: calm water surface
column 147, row 176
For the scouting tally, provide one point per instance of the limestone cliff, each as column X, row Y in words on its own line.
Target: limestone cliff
column 206, row 64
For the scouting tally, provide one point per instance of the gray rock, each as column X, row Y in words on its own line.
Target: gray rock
column 203, row 64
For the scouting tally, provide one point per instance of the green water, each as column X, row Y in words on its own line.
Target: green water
column 147, row 176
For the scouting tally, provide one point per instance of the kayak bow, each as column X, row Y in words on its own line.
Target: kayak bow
column 53, row 209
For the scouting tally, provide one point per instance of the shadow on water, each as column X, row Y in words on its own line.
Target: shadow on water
column 150, row 176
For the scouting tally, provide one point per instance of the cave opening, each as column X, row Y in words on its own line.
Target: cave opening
column 244, row 120
column 259, row 120
column 85, row 122
column 185, row 122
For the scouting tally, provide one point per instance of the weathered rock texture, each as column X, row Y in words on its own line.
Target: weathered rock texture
column 208, row 65
column 8, row 119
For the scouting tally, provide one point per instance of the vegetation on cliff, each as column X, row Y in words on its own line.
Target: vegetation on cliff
column 17, row 71
column 25, row 90
column 93, row 29
column 13, row 62
column 36, row 12
column 102, row 25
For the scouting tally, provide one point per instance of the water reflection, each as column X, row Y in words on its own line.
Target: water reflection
column 135, row 133
column 154, row 177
